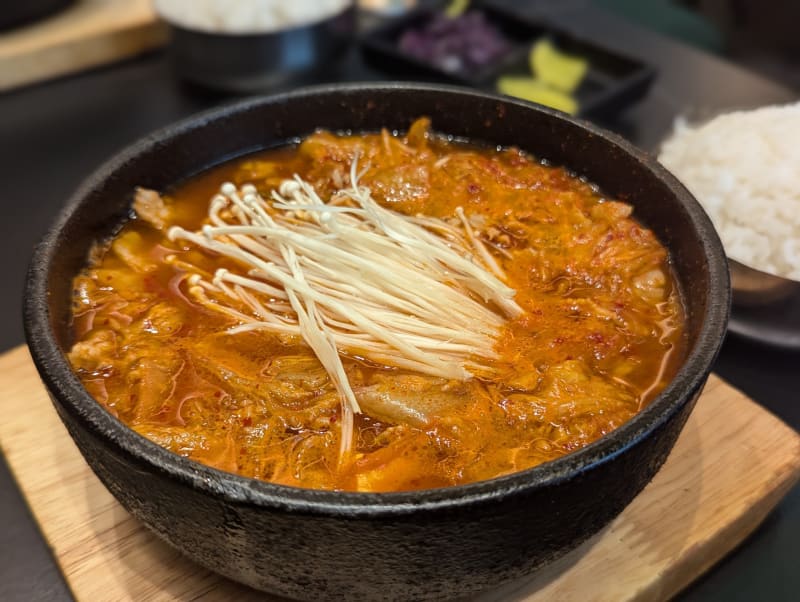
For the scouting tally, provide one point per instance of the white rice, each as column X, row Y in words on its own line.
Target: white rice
column 744, row 168
column 247, row 16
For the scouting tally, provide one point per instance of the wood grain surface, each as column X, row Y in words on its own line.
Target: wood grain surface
column 87, row 34
column 733, row 462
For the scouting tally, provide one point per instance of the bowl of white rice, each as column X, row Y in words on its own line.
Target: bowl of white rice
column 250, row 45
column 744, row 168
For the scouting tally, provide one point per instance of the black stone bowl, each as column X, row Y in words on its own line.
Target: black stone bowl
column 426, row 544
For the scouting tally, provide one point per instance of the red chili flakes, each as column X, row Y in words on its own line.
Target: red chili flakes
column 150, row 284
column 517, row 160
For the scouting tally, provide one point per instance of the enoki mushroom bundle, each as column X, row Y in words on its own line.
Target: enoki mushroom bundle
column 352, row 277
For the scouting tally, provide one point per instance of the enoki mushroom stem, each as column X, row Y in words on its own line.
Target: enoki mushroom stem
column 352, row 277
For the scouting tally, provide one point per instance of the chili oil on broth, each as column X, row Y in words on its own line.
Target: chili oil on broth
column 601, row 334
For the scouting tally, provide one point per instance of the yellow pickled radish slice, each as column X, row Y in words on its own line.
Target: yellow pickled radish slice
column 456, row 8
column 534, row 90
column 557, row 69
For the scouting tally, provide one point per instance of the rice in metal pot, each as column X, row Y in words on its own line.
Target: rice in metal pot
column 247, row 16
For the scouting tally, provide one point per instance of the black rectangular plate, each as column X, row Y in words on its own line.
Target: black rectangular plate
column 613, row 82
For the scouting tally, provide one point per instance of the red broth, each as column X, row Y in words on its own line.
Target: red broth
column 601, row 334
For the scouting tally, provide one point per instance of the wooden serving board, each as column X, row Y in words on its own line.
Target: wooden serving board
column 87, row 34
column 732, row 464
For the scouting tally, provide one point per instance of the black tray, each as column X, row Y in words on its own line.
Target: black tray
column 613, row 82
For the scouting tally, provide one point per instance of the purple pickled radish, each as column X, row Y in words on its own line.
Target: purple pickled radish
column 457, row 44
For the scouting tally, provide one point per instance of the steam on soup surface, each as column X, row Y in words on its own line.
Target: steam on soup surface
column 592, row 330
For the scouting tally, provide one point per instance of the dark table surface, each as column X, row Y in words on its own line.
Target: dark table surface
column 52, row 135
